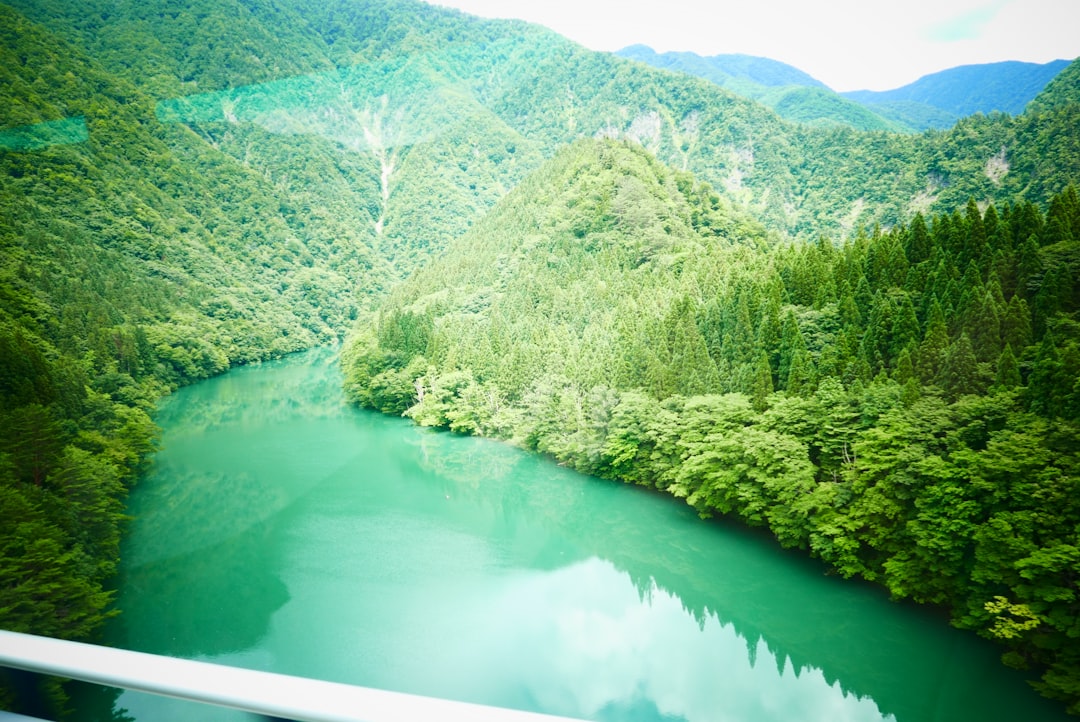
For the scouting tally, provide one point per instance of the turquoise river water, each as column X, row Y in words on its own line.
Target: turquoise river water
column 281, row 529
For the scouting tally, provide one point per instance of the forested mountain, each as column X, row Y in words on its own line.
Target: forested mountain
column 936, row 100
column 1062, row 91
column 512, row 93
column 189, row 185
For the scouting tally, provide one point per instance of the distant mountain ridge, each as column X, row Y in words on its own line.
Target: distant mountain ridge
column 968, row 89
column 727, row 70
column 936, row 100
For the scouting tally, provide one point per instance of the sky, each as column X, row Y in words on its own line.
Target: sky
column 846, row 44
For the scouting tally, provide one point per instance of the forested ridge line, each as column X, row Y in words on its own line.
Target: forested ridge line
column 902, row 405
column 514, row 93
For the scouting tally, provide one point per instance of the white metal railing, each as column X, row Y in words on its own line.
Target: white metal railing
column 266, row 693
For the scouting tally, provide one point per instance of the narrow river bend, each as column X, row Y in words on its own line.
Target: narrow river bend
column 283, row 530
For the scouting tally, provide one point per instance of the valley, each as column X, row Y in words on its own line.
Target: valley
column 864, row 341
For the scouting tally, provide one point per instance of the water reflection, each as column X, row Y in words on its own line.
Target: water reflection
column 844, row 633
column 284, row 531
column 596, row 649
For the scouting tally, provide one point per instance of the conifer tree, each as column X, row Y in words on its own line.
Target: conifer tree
column 1054, row 295
column 769, row 329
column 959, row 371
column 905, row 367
column 934, row 344
column 847, row 309
column 1026, row 222
column 693, row 370
column 739, row 345
column 762, row 385
column 918, row 244
column 975, row 241
column 1003, row 268
column 802, row 376
column 1016, row 324
column 997, row 237
column 791, row 341
column 985, row 328
column 1008, row 371
column 1029, row 268
column 905, row 328
column 1060, row 218
column 1043, row 392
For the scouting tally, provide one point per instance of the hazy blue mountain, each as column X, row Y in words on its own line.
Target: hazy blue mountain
column 1007, row 87
column 731, row 71
column 937, row 100
column 790, row 92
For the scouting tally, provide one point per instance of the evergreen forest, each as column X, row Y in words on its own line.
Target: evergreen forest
column 865, row 341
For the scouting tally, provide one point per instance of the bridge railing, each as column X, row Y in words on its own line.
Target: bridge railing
column 265, row 693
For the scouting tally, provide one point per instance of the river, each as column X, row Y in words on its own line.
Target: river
column 280, row 529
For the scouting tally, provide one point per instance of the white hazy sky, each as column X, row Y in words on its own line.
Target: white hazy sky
column 846, row 44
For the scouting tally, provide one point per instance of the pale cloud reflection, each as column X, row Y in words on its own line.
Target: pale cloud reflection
column 597, row 647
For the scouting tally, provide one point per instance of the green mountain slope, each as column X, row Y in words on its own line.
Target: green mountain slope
column 526, row 89
column 914, row 115
column 1062, row 91
column 821, row 106
column 864, row 402
column 593, row 242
